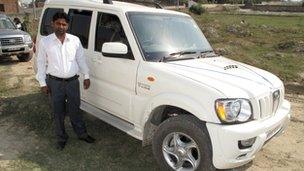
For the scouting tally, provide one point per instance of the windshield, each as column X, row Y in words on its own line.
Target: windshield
column 160, row 35
column 6, row 23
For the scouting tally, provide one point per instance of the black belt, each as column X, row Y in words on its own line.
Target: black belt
column 63, row 79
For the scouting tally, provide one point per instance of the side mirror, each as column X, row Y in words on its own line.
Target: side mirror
column 114, row 49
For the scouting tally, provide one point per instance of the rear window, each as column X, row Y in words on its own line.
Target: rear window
column 46, row 24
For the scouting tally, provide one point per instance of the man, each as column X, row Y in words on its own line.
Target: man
column 18, row 23
column 60, row 58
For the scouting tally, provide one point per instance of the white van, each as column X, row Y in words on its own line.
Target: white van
column 155, row 76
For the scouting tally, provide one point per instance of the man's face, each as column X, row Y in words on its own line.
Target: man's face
column 60, row 26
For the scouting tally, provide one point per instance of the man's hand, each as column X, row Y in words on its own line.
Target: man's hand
column 45, row 89
column 86, row 83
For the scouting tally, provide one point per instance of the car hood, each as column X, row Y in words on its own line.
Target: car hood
column 11, row 32
column 230, row 77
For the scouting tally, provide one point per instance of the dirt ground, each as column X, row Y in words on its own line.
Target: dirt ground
column 282, row 153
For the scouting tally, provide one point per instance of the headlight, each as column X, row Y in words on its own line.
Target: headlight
column 233, row 110
column 27, row 39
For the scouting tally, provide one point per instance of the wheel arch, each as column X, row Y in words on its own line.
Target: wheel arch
column 166, row 106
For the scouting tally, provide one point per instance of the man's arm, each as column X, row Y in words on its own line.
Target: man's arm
column 83, row 65
column 41, row 67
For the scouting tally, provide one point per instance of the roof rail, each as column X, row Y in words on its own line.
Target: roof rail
column 107, row 2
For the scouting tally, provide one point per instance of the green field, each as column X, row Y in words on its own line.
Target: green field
column 274, row 43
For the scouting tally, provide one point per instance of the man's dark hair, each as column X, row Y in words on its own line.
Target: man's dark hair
column 17, row 20
column 61, row 15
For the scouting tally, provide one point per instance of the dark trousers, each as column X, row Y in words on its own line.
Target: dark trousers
column 65, row 99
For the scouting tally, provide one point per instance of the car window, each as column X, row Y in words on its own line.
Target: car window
column 46, row 24
column 6, row 23
column 109, row 29
column 160, row 34
column 80, row 21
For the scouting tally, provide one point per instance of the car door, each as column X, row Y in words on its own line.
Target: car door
column 114, row 78
column 80, row 26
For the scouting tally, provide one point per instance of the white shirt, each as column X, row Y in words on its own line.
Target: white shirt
column 18, row 26
column 63, row 60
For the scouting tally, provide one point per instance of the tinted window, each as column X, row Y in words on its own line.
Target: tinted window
column 80, row 21
column 109, row 29
column 46, row 25
column 2, row 7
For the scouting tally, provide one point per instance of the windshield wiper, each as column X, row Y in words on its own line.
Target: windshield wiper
column 207, row 54
column 177, row 56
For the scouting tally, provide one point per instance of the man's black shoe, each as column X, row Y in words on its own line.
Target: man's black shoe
column 88, row 139
column 60, row 145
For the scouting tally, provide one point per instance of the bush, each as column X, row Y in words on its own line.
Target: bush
column 197, row 9
column 183, row 1
column 202, row 1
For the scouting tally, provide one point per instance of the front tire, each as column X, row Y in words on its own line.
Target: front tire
column 183, row 143
column 25, row 57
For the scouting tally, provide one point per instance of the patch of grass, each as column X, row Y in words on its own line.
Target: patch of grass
column 114, row 150
column 256, row 39
column 30, row 112
column 18, row 165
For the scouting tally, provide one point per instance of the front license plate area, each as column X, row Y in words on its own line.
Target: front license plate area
column 13, row 49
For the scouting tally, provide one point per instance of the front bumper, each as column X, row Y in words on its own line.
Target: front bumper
column 224, row 138
column 16, row 49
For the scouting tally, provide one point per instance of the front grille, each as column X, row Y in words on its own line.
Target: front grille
column 11, row 41
column 15, row 50
column 269, row 105
column 265, row 106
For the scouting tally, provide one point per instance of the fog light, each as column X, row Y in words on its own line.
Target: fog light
column 246, row 143
column 241, row 156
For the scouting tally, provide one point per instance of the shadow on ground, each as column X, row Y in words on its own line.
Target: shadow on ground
column 8, row 60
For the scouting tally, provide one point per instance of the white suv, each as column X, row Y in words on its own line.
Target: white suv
column 155, row 76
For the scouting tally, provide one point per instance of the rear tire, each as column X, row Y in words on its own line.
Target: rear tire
column 183, row 142
column 25, row 57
